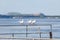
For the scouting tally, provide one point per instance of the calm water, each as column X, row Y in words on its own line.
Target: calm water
column 22, row 29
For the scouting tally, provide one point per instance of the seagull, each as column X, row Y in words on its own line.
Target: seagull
column 21, row 21
column 29, row 21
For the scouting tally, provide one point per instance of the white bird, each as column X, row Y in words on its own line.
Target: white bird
column 29, row 21
column 21, row 21
column 33, row 21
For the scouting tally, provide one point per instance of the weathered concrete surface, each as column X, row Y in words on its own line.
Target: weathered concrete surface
column 26, row 39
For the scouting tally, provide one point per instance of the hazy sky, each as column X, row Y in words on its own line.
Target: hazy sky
column 49, row 7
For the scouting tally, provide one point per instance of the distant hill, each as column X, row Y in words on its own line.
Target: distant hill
column 16, row 14
column 5, row 16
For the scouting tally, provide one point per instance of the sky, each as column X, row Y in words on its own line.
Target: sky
column 48, row 7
